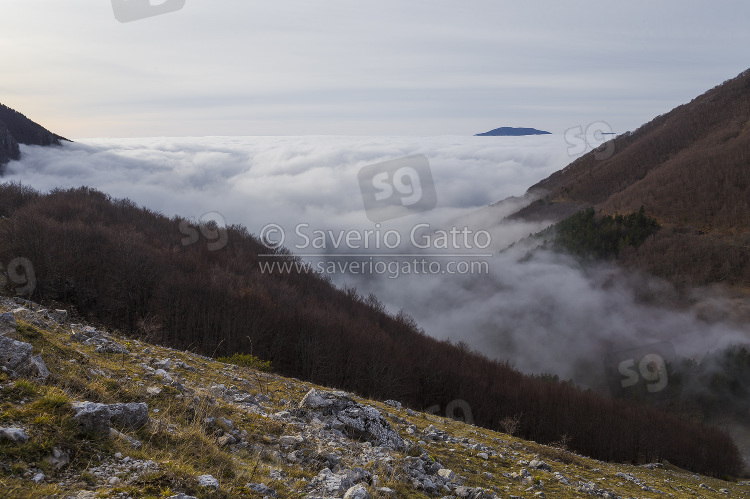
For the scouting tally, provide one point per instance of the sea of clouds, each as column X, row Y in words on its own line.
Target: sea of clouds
column 543, row 312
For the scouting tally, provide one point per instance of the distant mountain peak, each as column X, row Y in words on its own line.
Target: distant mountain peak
column 508, row 131
column 15, row 129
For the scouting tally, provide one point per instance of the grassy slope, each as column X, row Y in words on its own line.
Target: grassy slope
column 181, row 448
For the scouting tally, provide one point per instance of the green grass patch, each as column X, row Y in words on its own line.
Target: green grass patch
column 247, row 360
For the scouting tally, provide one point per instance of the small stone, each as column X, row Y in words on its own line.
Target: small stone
column 165, row 364
column 225, row 424
column 540, row 465
column 483, row 455
column 13, row 434
column 446, row 474
column 59, row 458
column 38, row 478
column 182, row 495
column 428, row 485
column 164, row 375
column 113, row 481
column 38, row 368
column 225, row 440
column 59, row 316
column 208, row 481
column 131, row 416
column 262, row 489
column 14, row 355
column 134, row 443
column 92, row 417
column 8, row 323
column 289, row 443
column 463, row 492
column 357, row 492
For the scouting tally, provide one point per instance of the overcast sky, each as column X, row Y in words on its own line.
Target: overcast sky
column 392, row 67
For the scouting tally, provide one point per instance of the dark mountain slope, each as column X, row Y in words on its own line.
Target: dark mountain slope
column 689, row 168
column 8, row 146
column 15, row 128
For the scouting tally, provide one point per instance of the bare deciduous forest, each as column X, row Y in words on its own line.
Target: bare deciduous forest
column 125, row 267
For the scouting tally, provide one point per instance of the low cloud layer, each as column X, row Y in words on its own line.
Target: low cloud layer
column 544, row 313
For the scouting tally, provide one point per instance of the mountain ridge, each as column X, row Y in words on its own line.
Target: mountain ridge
column 689, row 168
column 15, row 129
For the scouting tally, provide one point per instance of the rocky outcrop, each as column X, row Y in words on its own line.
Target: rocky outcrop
column 355, row 420
column 129, row 416
column 95, row 419
column 16, row 359
column 279, row 430
column 8, row 323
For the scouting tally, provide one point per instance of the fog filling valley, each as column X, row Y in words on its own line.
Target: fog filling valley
column 543, row 312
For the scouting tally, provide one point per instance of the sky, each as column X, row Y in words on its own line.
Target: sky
column 332, row 67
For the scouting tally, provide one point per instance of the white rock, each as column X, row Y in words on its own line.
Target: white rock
column 208, row 481
column 13, row 434
column 357, row 492
column 164, row 375
column 446, row 474
column 8, row 323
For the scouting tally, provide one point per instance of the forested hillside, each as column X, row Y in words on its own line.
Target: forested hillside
column 690, row 169
column 129, row 268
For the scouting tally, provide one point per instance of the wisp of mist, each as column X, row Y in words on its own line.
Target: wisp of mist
column 543, row 312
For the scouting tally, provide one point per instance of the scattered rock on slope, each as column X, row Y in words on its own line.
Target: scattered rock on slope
column 357, row 421
column 8, row 323
column 16, row 358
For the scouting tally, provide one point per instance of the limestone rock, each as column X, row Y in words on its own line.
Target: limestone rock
column 13, row 434
column 130, row 416
column 357, row 492
column 208, row 481
column 14, row 355
column 92, row 417
column 262, row 489
column 8, row 323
